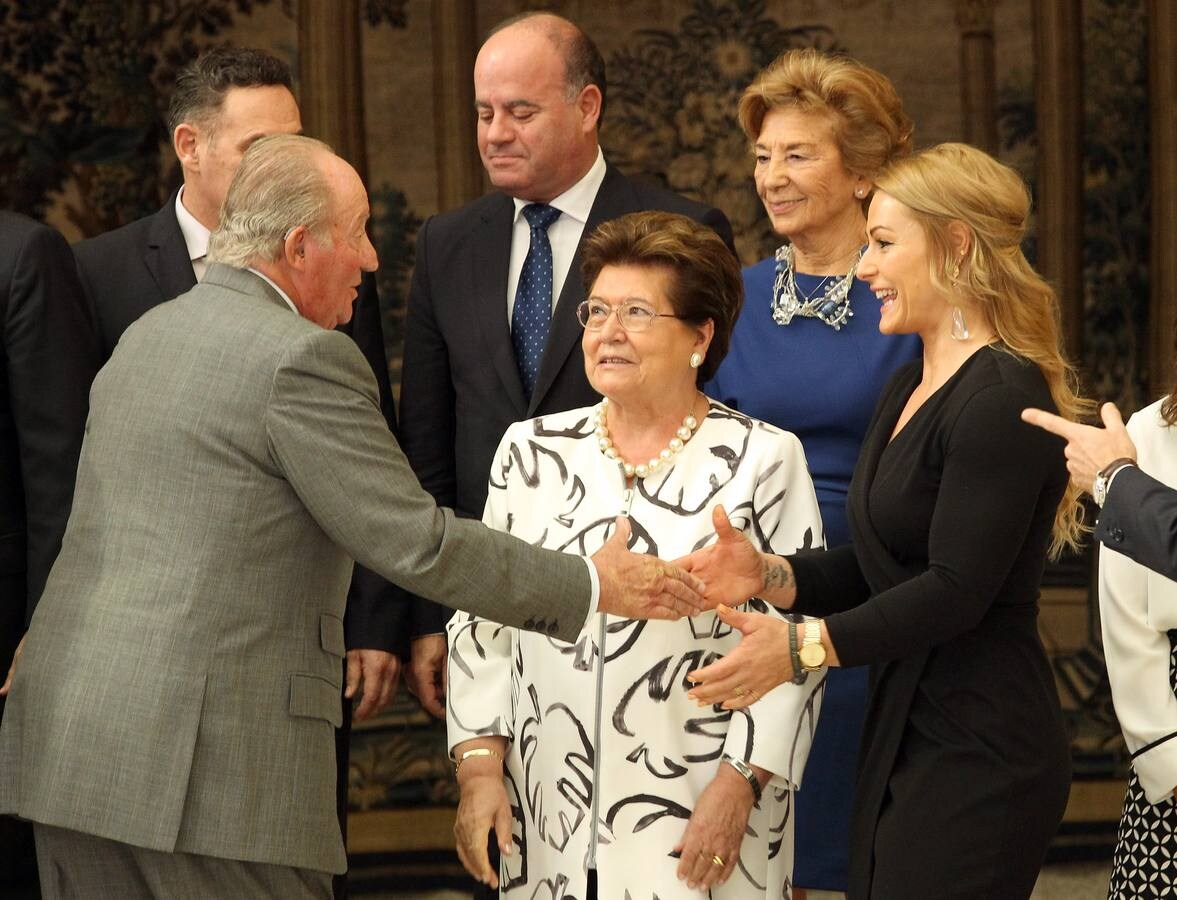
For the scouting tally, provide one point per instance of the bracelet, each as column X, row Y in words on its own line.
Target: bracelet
column 746, row 770
column 799, row 674
column 477, row 751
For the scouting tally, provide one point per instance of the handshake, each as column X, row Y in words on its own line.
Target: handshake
column 633, row 586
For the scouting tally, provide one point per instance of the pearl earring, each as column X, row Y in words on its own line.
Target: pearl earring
column 696, row 360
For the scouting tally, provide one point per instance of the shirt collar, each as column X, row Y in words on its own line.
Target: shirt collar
column 281, row 293
column 577, row 201
column 195, row 234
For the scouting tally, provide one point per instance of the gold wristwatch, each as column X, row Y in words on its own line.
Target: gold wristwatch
column 812, row 653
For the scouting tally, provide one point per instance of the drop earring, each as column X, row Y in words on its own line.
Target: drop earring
column 696, row 360
column 960, row 328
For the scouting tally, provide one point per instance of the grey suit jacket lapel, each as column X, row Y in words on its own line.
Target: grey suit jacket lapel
column 166, row 255
column 614, row 198
column 490, row 284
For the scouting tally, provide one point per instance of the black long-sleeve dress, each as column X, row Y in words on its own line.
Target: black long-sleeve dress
column 965, row 762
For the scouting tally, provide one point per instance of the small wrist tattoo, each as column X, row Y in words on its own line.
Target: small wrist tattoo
column 777, row 574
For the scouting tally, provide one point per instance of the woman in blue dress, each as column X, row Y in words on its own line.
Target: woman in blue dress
column 807, row 354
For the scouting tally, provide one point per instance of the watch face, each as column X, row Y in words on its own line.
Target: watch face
column 813, row 656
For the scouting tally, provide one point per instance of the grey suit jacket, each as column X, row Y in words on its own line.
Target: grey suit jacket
column 182, row 671
column 1139, row 519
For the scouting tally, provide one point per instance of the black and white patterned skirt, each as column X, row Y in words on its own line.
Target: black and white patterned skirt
column 1145, row 862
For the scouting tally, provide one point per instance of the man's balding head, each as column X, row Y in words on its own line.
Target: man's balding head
column 538, row 90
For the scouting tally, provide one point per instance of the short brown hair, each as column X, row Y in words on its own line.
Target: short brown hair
column 201, row 86
column 705, row 280
column 870, row 126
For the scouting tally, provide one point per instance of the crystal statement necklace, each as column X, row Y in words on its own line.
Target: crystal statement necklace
column 831, row 305
column 681, row 436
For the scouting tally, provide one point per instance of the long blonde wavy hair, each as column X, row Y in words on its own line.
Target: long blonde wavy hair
column 956, row 183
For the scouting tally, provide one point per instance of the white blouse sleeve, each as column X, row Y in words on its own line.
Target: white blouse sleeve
column 478, row 691
column 1137, row 651
column 776, row 732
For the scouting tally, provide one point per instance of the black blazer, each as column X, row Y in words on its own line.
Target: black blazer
column 1139, row 519
column 128, row 271
column 460, row 386
column 48, row 357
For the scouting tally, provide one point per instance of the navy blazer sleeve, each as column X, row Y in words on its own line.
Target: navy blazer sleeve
column 1139, row 519
column 50, row 356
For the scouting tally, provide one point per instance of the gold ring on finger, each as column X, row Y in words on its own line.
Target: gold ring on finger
column 741, row 690
column 717, row 860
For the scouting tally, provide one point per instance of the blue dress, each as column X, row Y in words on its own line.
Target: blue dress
column 822, row 385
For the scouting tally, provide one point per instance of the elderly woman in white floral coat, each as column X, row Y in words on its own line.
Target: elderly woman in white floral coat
column 607, row 778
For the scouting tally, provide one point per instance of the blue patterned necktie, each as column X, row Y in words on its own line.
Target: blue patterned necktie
column 533, row 297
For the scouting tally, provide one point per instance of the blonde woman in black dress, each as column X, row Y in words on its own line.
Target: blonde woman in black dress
column 954, row 506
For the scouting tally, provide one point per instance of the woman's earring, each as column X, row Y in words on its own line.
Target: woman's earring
column 954, row 274
column 960, row 328
column 696, row 360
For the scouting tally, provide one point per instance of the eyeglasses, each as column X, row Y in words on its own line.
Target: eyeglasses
column 632, row 314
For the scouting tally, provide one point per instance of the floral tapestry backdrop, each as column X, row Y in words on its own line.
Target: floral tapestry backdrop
column 672, row 107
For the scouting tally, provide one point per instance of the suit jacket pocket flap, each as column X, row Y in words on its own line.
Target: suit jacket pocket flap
column 315, row 698
column 331, row 634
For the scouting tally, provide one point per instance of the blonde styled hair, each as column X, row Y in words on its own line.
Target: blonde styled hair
column 870, row 126
column 955, row 183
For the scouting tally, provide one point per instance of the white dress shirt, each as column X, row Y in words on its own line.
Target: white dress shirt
column 574, row 204
column 195, row 237
column 1137, row 607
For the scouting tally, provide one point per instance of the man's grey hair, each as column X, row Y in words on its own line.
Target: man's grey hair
column 279, row 185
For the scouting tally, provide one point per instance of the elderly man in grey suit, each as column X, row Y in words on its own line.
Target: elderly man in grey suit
column 169, row 728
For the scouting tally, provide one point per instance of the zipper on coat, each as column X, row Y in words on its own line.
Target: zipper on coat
column 626, row 503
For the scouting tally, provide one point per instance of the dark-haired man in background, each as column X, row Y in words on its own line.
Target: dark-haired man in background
column 222, row 102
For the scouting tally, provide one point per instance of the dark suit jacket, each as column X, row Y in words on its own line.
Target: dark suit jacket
column 126, row 272
column 460, row 386
column 48, row 357
column 1139, row 519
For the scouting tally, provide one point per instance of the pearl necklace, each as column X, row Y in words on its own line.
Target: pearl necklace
column 681, row 436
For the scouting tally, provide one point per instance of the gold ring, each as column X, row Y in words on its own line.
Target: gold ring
column 717, row 860
column 741, row 690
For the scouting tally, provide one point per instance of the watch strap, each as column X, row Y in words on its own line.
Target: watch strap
column 1103, row 479
column 799, row 673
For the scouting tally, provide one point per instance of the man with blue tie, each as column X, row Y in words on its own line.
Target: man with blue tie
column 491, row 335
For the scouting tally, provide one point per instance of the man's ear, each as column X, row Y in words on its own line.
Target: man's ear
column 185, row 141
column 589, row 104
column 294, row 247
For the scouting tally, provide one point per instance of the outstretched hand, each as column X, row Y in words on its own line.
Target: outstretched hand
column 731, row 568
column 759, row 662
column 1088, row 449
column 634, row 586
